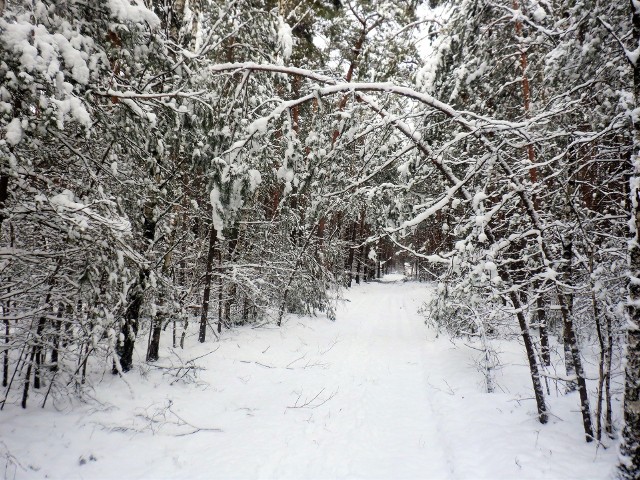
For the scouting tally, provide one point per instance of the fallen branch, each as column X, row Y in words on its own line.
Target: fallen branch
column 308, row 402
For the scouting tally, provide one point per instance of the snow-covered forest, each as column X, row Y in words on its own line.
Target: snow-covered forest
column 320, row 239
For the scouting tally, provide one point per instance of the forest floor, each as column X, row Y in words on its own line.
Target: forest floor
column 374, row 394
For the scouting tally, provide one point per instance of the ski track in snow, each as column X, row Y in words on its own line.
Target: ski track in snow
column 385, row 399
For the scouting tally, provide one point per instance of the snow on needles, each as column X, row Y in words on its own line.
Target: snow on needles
column 40, row 49
column 125, row 12
column 14, row 132
column 285, row 38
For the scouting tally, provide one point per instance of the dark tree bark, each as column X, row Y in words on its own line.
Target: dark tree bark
column 36, row 350
column 5, row 359
column 153, row 351
column 27, row 380
column 220, row 291
column 541, row 315
column 601, row 365
column 4, row 195
column 360, row 251
column 206, row 295
column 352, row 252
column 131, row 323
column 531, row 355
column 231, row 297
column 7, row 335
column 55, row 352
column 574, row 352
column 608, row 423
column 629, row 467
column 131, row 319
column 567, row 327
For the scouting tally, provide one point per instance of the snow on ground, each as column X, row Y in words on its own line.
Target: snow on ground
column 373, row 395
column 392, row 277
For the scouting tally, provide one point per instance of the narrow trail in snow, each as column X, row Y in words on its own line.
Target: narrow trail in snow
column 380, row 419
column 383, row 342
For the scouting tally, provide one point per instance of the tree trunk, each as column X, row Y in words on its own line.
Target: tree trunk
column 541, row 315
column 567, row 327
column 629, row 467
column 4, row 195
column 153, row 350
column 55, row 352
column 7, row 334
column 39, row 352
column 220, row 291
column 5, row 359
column 531, row 357
column 352, row 252
column 360, row 251
column 204, row 311
column 155, row 329
column 601, row 363
column 131, row 320
column 572, row 342
column 36, row 352
column 608, row 423
column 27, row 379
column 231, row 297
column 131, row 324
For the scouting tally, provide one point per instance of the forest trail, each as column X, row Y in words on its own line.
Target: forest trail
column 383, row 422
column 372, row 395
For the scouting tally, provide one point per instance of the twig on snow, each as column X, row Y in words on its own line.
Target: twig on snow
column 308, row 402
column 257, row 363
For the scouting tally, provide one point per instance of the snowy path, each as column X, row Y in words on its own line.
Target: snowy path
column 384, row 422
column 381, row 397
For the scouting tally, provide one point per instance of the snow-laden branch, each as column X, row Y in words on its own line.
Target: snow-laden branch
column 467, row 118
column 148, row 96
